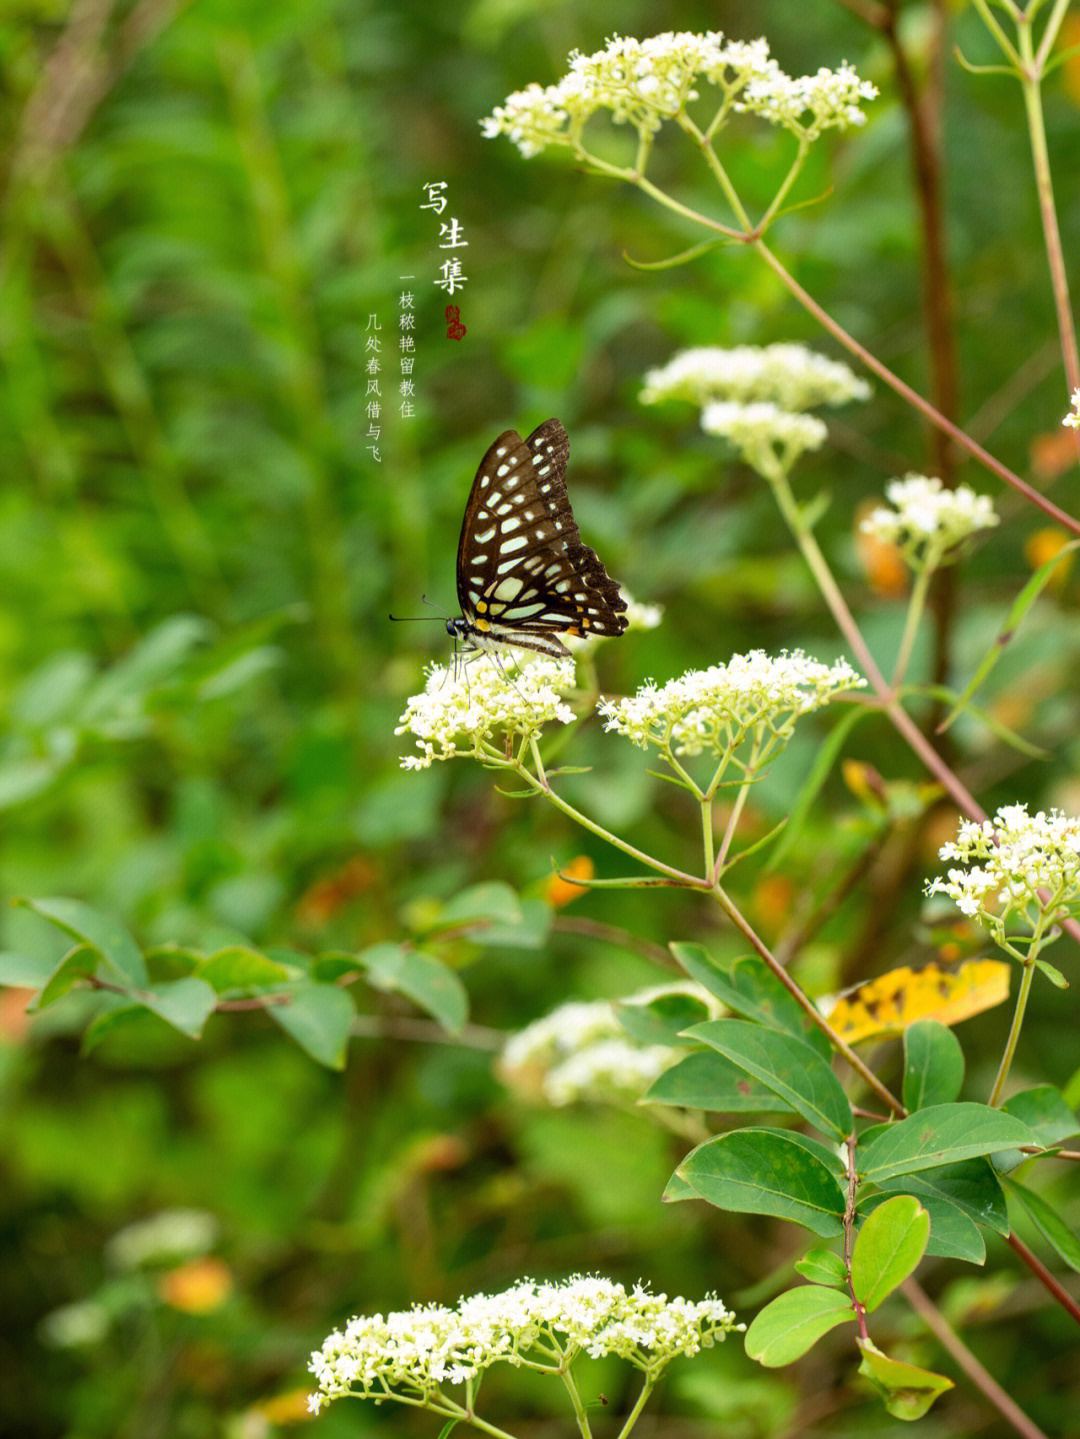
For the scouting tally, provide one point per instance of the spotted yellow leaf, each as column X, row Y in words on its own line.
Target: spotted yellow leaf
column 888, row 1004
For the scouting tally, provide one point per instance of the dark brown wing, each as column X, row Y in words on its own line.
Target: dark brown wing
column 522, row 567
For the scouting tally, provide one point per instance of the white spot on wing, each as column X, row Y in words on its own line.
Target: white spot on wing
column 508, row 589
column 518, row 543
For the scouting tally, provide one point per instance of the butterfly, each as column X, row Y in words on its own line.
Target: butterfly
column 523, row 575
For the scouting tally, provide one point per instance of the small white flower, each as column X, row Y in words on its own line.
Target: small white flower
column 928, row 521
column 419, row 1350
column 1001, row 864
column 1072, row 419
column 458, row 713
column 713, row 710
column 791, row 376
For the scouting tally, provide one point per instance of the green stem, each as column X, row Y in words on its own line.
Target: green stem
column 916, row 606
column 446, row 1409
column 905, row 392
column 1014, row 1032
column 1031, row 87
column 867, row 1075
column 785, row 185
column 712, row 159
column 845, row 621
column 707, row 835
column 575, row 1399
column 539, row 782
column 642, row 1400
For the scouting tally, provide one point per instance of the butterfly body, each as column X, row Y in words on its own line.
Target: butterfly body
column 524, row 577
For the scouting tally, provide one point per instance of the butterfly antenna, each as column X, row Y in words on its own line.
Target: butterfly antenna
column 413, row 619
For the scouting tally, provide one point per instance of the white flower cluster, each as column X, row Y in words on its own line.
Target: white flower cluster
column 1002, row 863
column 929, row 521
column 792, row 376
column 755, row 428
column 1072, row 419
column 460, row 712
column 713, row 710
column 808, row 104
column 756, row 397
column 418, row 1350
column 644, row 82
column 580, row 1053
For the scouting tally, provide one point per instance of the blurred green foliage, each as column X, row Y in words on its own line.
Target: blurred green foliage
column 203, row 205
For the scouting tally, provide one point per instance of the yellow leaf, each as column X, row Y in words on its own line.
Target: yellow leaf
column 888, row 1004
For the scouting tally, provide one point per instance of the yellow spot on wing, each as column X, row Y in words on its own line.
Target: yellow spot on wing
column 482, row 624
column 481, row 606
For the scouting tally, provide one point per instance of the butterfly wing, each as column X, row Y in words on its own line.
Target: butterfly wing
column 523, row 574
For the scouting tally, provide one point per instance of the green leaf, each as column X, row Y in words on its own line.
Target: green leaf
column 888, row 1248
column 769, row 1171
column 933, row 1065
column 823, row 1266
column 794, row 1322
column 121, row 955
column 426, row 981
column 944, row 1133
column 677, row 1190
column 661, row 1019
column 971, row 1186
column 906, row 1391
column 239, row 967
column 319, row 1018
column 706, row 1080
column 1044, row 1110
column 477, row 907
column 186, row 1004
column 79, row 963
column 25, row 971
column 530, row 932
column 1055, row 976
column 1058, row 1232
column 787, row 1066
column 953, row 1235
column 750, row 988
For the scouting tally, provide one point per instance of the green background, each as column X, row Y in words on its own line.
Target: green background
column 203, row 205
